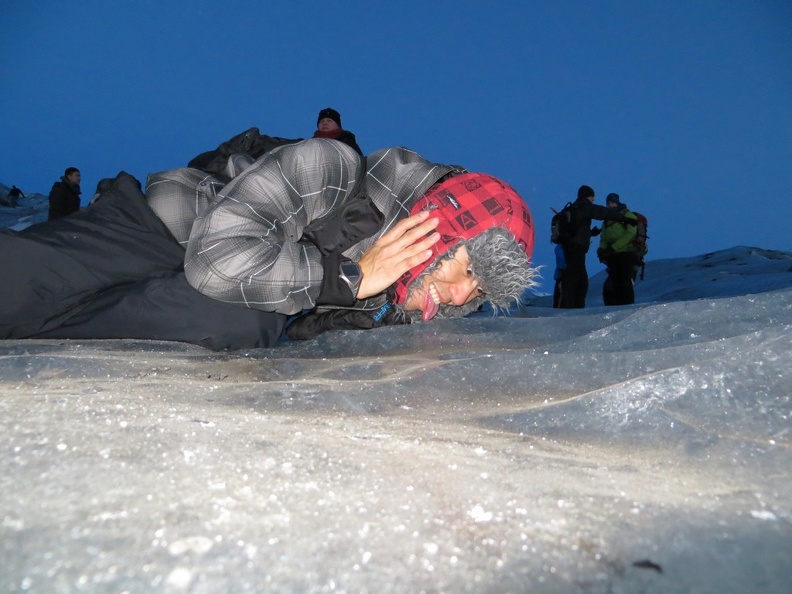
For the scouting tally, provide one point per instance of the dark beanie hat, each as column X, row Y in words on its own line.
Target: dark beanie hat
column 585, row 192
column 329, row 112
column 612, row 199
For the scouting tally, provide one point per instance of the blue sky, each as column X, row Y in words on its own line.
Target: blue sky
column 684, row 108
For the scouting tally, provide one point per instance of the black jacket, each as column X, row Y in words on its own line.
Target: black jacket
column 64, row 199
column 349, row 138
column 584, row 212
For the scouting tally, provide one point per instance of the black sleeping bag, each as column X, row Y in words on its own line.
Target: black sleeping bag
column 113, row 270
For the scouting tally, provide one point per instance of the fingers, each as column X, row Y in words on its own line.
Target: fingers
column 410, row 231
column 405, row 246
column 413, row 260
column 411, row 225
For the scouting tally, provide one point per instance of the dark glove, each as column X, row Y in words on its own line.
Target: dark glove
column 316, row 322
column 595, row 231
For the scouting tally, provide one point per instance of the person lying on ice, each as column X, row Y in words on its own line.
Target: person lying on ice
column 309, row 228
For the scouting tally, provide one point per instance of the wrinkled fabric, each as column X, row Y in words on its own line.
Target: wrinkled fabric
column 246, row 248
column 251, row 142
column 179, row 196
column 165, row 307
column 56, row 266
column 113, row 270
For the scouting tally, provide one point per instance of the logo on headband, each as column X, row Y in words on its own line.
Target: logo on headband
column 471, row 184
column 452, row 201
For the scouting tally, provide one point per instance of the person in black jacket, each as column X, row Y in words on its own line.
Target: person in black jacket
column 64, row 197
column 13, row 196
column 328, row 125
column 574, row 286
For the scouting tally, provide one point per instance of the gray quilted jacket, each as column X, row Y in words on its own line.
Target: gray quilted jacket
column 245, row 247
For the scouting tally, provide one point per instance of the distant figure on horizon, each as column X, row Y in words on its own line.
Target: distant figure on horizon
column 13, row 196
column 328, row 125
column 64, row 197
column 617, row 252
column 575, row 283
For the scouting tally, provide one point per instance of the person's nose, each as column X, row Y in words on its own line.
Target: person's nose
column 462, row 291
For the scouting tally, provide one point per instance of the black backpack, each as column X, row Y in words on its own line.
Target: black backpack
column 563, row 225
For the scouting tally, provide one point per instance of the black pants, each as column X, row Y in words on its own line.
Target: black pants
column 574, row 280
column 618, row 287
column 113, row 270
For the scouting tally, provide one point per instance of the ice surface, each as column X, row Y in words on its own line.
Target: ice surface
column 642, row 449
column 608, row 450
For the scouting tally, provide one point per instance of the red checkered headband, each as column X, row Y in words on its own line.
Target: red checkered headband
column 467, row 205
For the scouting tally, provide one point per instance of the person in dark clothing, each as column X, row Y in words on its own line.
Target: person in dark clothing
column 309, row 238
column 574, row 286
column 328, row 125
column 13, row 196
column 64, row 197
column 617, row 252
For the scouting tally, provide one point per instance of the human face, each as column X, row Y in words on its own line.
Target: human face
column 74, row 177
column 327, row 125
column 452, row 283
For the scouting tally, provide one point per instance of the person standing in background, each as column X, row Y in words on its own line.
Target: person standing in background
column 13, row 196
column 328, row 125
column 575, row 283
column 617, row 252
column 64, row 197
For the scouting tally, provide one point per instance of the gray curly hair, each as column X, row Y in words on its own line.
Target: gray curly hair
column 501, row 266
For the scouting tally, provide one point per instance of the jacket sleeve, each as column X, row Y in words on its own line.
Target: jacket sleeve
column 602, row 213
column 247, row 249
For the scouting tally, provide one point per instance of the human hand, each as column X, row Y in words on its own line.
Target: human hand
column 400, row 249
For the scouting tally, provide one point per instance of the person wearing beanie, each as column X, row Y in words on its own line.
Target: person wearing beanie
column 585, row 193
column 574, row 285
column 328, row 125
column 310, row 237
column 617, row 253
column 485, row 237
column 420, row 240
